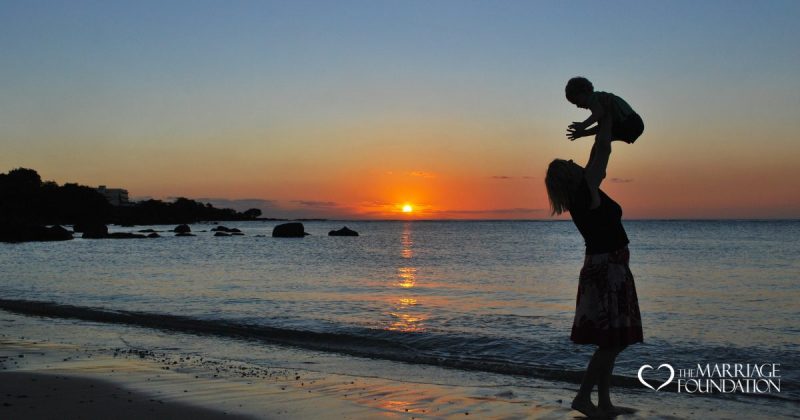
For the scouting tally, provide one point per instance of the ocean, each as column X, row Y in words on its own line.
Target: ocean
column 496, row 297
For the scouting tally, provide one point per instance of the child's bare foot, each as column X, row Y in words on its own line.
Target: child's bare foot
column 615, row 410
column 587, row 408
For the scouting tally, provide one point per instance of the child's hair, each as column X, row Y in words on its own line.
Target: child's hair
column 578, row 85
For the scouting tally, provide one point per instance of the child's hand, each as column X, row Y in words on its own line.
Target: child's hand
column 577, row 125
column 575, row 133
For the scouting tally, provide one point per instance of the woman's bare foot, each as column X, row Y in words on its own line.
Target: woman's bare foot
column 615, row 410
column 586, row 408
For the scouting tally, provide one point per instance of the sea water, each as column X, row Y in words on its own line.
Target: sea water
column 497, row 296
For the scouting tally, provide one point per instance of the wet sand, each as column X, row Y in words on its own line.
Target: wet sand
column 43, row 379
column 25, row 395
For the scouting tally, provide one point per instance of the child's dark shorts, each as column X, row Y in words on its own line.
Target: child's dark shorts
column 629, row 129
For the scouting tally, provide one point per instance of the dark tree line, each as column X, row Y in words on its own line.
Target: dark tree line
column 27, row 201
column 182, row 210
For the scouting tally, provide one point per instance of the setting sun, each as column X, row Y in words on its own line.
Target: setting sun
column 407, row 208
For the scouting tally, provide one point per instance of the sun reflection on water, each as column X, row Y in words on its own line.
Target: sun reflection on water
column 405, row 314
column 406, row 242
column 407, row 277
column 404, row 319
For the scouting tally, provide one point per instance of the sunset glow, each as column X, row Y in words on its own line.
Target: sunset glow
column 454, row 107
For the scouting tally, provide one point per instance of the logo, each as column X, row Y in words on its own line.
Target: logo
column 663, row 365
column 722, row 378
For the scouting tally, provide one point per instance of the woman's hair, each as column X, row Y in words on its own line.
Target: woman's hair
column 578, row 85
column 560, row 181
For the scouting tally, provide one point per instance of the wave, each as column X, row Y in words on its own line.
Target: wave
column 376, row 344
column 382, row 345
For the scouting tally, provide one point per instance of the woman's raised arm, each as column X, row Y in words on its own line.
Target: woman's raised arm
column 598, row 161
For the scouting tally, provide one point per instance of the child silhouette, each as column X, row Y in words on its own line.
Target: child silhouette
column 615, row 119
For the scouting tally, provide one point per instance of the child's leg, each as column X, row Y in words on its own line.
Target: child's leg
column 629, row 129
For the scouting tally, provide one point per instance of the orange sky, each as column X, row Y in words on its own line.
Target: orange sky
column 352, row 112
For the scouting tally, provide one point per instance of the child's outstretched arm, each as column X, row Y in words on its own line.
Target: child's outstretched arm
column 574, row 134
column 581, row 129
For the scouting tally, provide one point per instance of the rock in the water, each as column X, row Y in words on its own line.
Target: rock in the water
column 237, row 234
column 184, row 234
column 33, row 233
column 93, row 231
column 153, row 235
column 225, row 229
column 289, row 230
column 182, row 229
column 124, row 235
column 221, row 234
column 55, row 232
column 343, row 232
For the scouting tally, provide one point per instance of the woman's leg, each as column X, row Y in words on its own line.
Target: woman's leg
column 604, row 381
column 595, row 372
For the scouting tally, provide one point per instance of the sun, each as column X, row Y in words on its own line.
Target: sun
column 407, row 208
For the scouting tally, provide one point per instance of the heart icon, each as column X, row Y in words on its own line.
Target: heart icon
column 671, row 376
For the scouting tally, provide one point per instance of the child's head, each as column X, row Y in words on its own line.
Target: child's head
column 578, row 90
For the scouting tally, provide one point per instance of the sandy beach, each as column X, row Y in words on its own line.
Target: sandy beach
column 34, row 395
column 42, row 378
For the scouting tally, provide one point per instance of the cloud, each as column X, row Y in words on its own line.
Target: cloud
column 419, row 174
column 517, row 210
column 512, row 177
column 240, row 204
column 311, row 203
column 293, row 209
column 621, row 180
column 376, row 204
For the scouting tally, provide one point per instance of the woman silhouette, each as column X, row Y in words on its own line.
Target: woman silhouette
column 607, row 309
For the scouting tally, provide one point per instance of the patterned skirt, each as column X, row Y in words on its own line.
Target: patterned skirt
column 607, row 309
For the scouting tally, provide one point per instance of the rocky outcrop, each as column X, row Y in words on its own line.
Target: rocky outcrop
column 153, row 235
column 289, row 230
column 221, row 234
column 34, row 233
column 182, row 229
column 125, row 235
column 225, row 229
column 343, row 232
column 92, row 230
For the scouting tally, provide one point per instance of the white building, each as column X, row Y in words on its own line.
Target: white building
column 115, row 196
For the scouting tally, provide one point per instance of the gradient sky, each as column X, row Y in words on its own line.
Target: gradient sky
column 353, row 108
